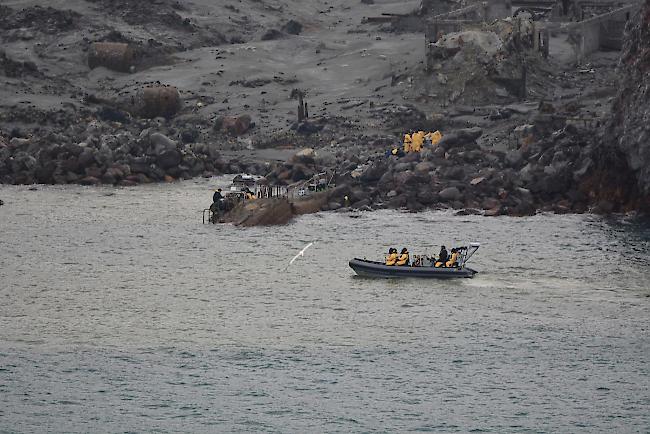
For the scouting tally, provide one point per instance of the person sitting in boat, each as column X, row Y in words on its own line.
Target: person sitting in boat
column 391, row 259
column 403, row 258
column 442, row 257
column 452, row 262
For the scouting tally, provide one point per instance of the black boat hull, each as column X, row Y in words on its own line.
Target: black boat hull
column 367, row 268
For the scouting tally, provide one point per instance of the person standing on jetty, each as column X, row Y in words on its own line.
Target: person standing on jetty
column 217, row 201
column 217, row 196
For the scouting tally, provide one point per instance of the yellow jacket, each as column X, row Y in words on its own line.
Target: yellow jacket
column 391, row 259
column 452, row 260
column 403, row 259
column 416, row 141
column 435, row 137
column 407, row 143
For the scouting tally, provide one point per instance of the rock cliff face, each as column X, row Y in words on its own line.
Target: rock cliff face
column 628, row 131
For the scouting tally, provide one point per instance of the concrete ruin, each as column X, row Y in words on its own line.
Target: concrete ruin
column 589, row 25
column 601, row 32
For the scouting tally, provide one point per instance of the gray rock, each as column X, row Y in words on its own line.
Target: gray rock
column 168, row 159
column 427, row 197
column 402, row 167
column 374, row 172
column 514, row 158
column 527, row 173
column 86, row 158
column 449, row 194
column 454, row 172
column 404, row 178
column 469, row 134
column 110, row 141
column 361, row 204
column 18, row 142
column 386, row 179
column 424, row 167
column 161, row 143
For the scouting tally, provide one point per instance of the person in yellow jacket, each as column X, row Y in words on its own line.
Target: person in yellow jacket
column 403, row 258
column 392, row 256
column 417, row 139
column 407, row 143
column 434, row 137
column 452, row 260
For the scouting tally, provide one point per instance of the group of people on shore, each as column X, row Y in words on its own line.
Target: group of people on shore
column 403, row 258
column 415, row 141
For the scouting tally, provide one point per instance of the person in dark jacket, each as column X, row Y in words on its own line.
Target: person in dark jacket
column 217, row 196
column 442, row 257
column 217, row 201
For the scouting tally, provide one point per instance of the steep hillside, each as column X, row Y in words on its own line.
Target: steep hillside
column 625, row 152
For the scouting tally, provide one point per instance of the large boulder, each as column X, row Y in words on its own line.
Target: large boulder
column 449, row 194
column 112, row 55
column 374, row 173
column 160, row 143
column 169, row 159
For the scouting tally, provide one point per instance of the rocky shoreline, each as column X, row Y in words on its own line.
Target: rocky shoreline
column 553, row 174
column 95, row 153
column 130, row 116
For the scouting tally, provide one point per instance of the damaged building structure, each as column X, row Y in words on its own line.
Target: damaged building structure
column 588, row 25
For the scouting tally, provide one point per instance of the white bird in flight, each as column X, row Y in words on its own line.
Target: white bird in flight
column 300, row 253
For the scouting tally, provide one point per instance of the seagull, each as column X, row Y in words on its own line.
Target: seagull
column 300, row 253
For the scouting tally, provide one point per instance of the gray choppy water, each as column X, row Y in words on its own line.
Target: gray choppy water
column 122, row 312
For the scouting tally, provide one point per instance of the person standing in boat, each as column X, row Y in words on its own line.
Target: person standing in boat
column 403, row 258
column 442, row 257
column 391, row 259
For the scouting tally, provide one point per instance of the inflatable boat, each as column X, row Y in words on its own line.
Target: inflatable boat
column 367, row 268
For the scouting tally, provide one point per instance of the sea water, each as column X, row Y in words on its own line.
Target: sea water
column 121, row 312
